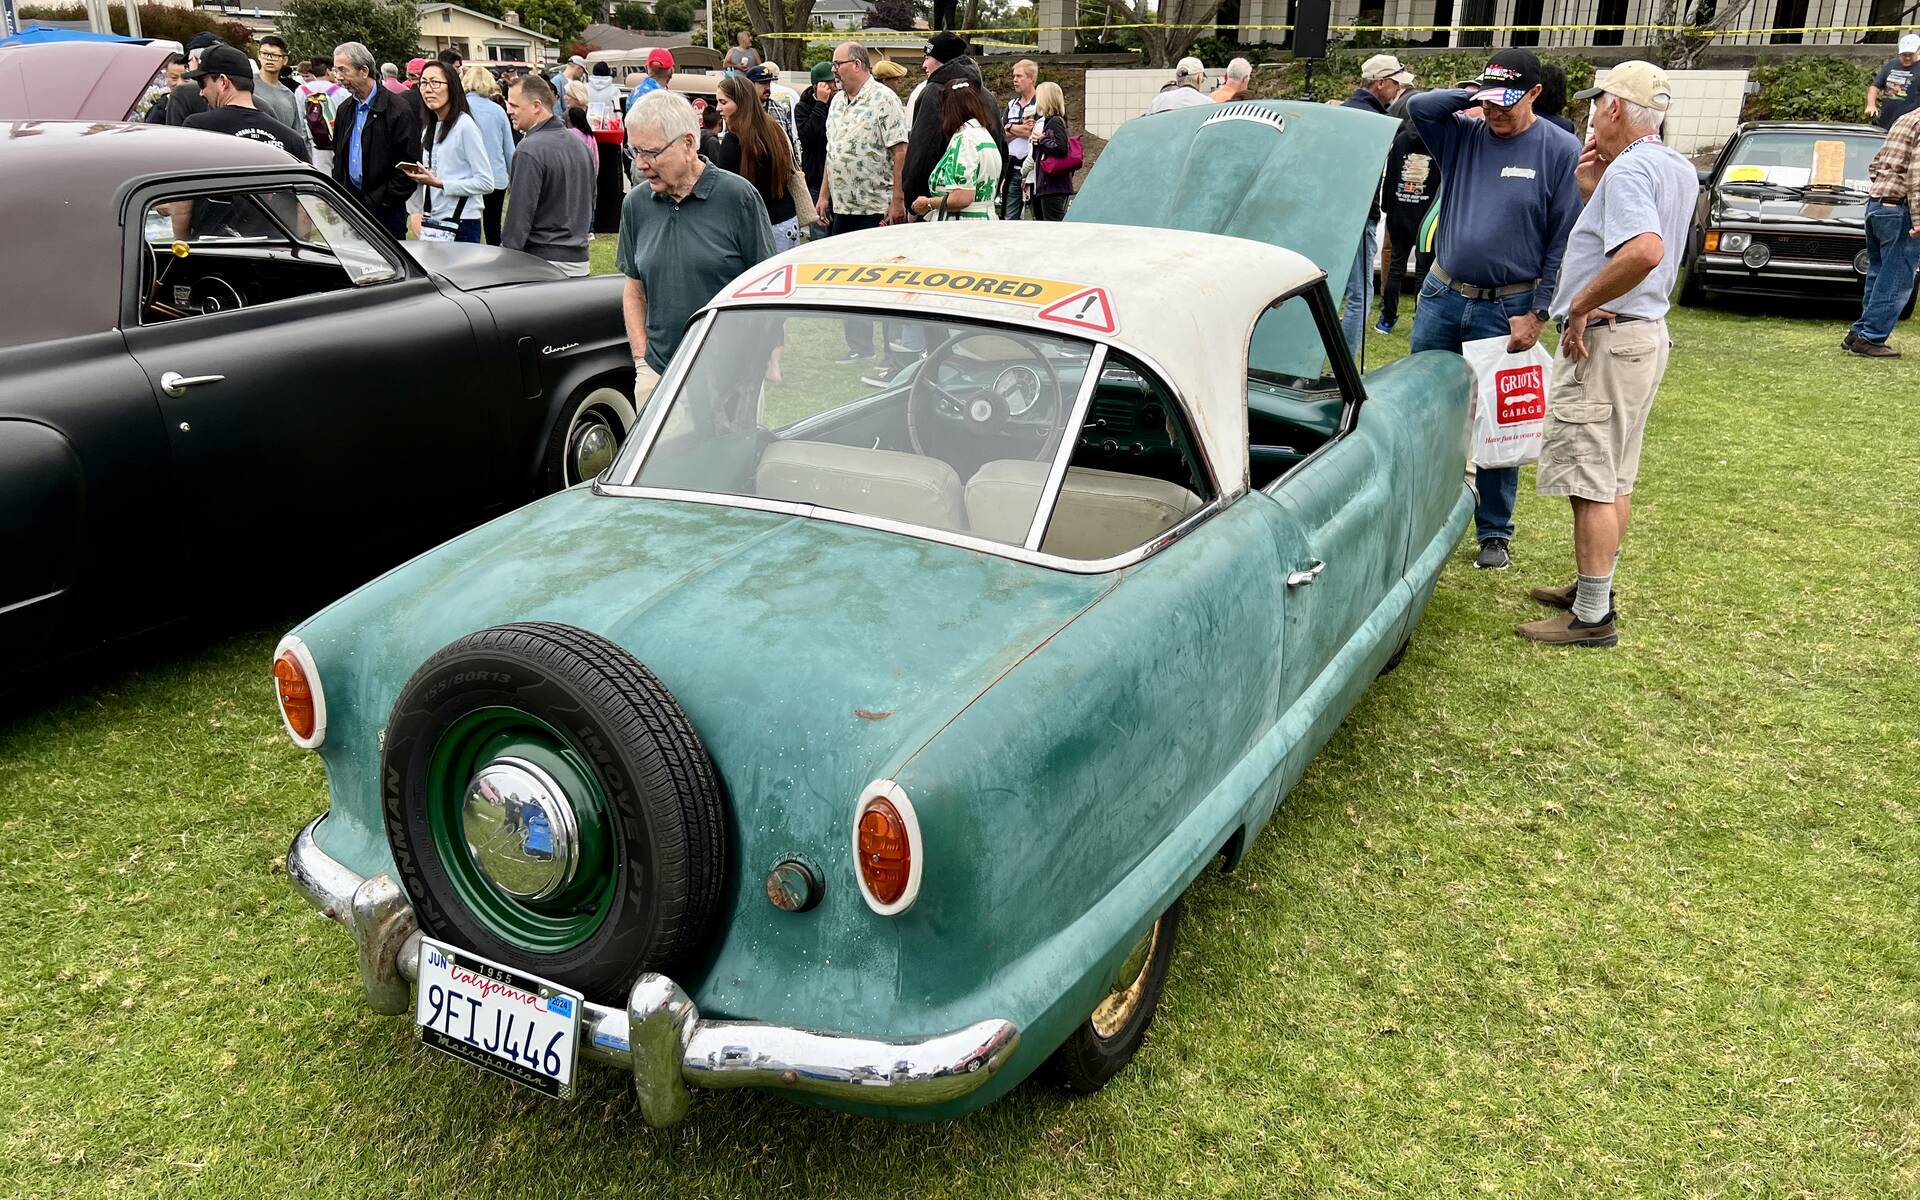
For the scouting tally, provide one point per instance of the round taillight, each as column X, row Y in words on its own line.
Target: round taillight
column 886, row 848
column 295, row 684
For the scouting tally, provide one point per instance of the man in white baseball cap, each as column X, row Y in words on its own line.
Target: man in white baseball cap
column 1188, row 87
column 1894, row 92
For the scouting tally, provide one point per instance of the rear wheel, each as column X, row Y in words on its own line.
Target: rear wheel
column 550, row 806
column 1116, row 1029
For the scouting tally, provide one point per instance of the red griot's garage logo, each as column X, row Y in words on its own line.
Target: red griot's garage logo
column 1522, row 395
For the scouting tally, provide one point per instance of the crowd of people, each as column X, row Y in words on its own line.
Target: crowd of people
column 1514, row 223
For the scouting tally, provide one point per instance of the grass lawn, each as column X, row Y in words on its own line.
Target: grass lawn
column 1536, row 922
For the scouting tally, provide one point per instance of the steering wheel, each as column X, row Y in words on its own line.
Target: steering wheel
column 214, row 294
column 1001, row 400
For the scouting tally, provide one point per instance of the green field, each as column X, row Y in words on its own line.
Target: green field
column 1537, row 922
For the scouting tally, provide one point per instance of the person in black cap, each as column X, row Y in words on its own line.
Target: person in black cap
column 946, row 62
column 1508, row 202
column 225, row 77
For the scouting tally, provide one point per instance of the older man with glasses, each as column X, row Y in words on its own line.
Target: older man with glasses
column 683, row 237
column 866, row 163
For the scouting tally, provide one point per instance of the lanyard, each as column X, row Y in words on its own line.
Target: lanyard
column 1636, row 143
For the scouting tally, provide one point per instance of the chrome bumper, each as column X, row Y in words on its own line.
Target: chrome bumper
column 660, row 1036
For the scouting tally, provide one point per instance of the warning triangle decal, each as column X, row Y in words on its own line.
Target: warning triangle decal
column 768, row 287
column 1088, row 308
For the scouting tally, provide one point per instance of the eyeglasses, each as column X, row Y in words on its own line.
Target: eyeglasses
column 846, row 62
column 647, row 156
column 433, row 83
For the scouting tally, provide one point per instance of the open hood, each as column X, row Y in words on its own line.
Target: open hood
column 1299, row 176
column 77, row 81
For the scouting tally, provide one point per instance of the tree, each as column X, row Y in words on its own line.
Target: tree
column 1701, row 18
column 779, row 17
column 389, row 28
column 493, row 8
column 1185, row 21
column 890, row 14
column 674, row 16
column 562, row 19
column 634, row 16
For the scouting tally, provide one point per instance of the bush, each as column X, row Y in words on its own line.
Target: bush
column 156, row 21
column 1809, row 89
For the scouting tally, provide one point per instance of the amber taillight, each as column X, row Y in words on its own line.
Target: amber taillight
column 296, row 695
column 886, row 858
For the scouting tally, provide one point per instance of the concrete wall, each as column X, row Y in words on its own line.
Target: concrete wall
column 1706, row 108
column 1115, row 95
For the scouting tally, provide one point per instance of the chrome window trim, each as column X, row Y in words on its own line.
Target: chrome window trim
column 925, row 533
column 676, row 371
column 1069, row 442
column 669, row 385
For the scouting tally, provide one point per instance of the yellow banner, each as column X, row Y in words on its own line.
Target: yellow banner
column 1016, row 289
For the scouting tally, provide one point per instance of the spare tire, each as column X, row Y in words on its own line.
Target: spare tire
column 550, row 806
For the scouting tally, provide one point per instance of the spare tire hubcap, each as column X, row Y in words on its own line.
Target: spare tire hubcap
column 521, row 829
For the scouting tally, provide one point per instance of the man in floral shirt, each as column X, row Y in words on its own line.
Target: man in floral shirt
column 866, row 148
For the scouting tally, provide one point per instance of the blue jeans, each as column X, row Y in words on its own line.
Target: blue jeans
column 1892, row 256
column 1010, row 198
column 1353, row 311
column 1446, row 320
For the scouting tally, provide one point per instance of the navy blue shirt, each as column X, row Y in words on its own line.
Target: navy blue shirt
column 1510, row 202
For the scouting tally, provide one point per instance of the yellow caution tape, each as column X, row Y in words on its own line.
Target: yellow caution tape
column 1697, row 31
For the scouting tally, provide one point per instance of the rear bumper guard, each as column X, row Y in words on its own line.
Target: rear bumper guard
column 660, row 1037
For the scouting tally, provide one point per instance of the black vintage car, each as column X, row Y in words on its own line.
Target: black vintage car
column 1782, row 213
column 218, row 373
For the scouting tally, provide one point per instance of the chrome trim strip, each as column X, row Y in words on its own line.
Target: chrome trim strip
column 669, row 386
column 660, row 1036
column 945, row 537
column 1069, row 442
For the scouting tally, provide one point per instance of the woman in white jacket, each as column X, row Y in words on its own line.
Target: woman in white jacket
column 454, row 171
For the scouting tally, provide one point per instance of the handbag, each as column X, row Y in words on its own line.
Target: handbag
column 437, row 224
column 1064, row 164
column 803, row 206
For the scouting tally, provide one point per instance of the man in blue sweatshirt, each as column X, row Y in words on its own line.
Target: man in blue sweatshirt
column 1509, row 202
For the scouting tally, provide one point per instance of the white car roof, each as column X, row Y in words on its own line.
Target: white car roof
column 1185, row 303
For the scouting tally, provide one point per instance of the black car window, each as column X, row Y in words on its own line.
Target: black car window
column 221, row 250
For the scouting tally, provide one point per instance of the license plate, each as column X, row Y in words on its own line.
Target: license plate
column 498, row 1019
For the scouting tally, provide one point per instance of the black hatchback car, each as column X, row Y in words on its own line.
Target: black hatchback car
column 1782, row 212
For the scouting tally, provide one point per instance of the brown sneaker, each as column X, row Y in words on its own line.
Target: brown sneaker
column 1867, row 349
column 1569, row 630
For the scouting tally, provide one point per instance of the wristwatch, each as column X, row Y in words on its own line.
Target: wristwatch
column 1540, row 315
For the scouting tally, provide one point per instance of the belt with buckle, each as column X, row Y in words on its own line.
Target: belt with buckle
column 1560, row 323
column 1473, row 291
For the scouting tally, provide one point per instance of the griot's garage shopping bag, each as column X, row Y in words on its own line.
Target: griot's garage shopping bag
column 1510, row 401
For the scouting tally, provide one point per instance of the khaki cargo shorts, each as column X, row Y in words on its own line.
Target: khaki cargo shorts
column 1597, row 411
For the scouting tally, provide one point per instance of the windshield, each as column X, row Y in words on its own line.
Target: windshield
column 1795, row 160
column 944, row 424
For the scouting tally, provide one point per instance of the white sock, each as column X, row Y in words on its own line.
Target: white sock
column 1592, row 597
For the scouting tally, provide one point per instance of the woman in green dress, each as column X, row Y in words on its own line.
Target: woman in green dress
column 967, row 177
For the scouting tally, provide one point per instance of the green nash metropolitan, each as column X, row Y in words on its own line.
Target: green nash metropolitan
column 964, row 591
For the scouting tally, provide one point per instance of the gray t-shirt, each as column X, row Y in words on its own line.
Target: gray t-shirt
column 1650, row 189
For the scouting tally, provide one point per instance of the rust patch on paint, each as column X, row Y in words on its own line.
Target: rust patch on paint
column 868, row 714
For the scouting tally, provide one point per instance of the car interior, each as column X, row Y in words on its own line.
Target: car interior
column 954, row 426
column 219, row 251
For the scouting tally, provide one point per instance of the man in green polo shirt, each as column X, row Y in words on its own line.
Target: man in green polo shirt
column 682, row 237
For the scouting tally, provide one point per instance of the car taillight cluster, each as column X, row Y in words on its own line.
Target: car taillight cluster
column 297, row 689
column 886, row 847
column 885, row 857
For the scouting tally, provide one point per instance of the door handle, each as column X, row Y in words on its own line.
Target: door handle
column 1303, row 578
column 173, row 383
